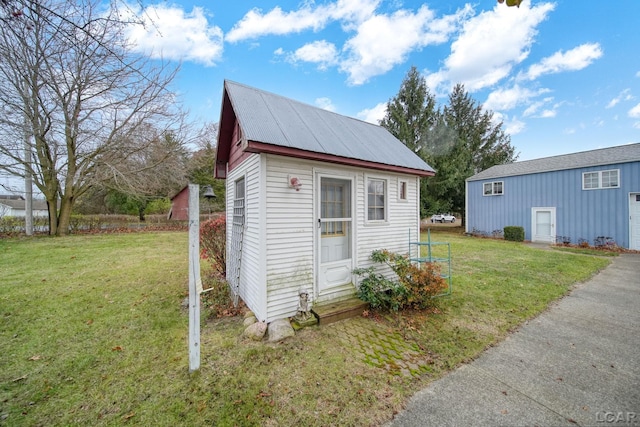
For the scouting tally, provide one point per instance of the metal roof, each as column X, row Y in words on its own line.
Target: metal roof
column 273, row 119
column 603, row 156
column 20, row 204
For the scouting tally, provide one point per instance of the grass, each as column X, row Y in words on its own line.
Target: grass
column 93, row 333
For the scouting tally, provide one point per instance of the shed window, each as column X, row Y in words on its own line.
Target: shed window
column 493, row 188
column 402, row 190
column 601, row 179
column 376, row 200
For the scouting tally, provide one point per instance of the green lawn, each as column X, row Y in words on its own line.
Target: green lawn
column 93, row 333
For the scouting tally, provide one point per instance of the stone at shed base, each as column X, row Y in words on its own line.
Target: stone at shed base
column 280, row 329
column 256, row 331
column 298, row 323
column 248, row 321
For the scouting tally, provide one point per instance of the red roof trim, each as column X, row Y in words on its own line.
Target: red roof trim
column 260, row 147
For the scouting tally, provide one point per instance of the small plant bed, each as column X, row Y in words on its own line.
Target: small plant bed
column 415, row 284
column 592, row 250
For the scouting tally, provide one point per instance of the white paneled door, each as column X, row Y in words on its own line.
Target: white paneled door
column 543, row 225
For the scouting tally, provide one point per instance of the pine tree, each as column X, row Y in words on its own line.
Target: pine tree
column 457, row 142
column 411, row 112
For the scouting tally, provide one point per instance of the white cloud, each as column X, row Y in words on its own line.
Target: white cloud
column 277, row 22
column 635, row 112
column 625, row 95
column 489, row 45
column 374, row 114
column 380, row 42
column 320, row 52
column 572, row 60
column 325, row 104
column 170, row 33
column 383, row 41
column 514, row 127
column 506, row 99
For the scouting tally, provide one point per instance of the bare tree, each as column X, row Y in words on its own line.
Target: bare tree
column 70, row 82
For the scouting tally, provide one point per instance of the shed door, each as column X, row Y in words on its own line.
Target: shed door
column 634, row 222
column 335, row 233
column 543, row 225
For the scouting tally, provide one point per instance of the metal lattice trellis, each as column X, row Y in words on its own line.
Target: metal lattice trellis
column 237, row 231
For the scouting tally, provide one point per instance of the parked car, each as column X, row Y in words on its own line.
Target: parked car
column 443, row 218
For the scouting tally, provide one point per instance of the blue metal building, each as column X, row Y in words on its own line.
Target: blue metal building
column 575, row 197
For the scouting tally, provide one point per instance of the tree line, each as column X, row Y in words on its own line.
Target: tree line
column 458, row 140
column 84, row 117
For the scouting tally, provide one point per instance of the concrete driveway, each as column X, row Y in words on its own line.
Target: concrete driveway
column 577, row 364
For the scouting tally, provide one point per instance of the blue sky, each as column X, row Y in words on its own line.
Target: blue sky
column 562, row 75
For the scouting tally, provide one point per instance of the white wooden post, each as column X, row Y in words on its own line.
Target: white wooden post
column 194, row 277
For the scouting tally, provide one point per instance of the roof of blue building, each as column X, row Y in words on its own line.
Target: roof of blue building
column 600, row 157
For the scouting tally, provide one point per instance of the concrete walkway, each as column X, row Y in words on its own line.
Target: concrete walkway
column 576, row 364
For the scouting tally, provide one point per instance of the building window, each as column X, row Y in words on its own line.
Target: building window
column 601, row 179
column 376, row 200
column 334, row 204
column 493, row 188
column 402, row 191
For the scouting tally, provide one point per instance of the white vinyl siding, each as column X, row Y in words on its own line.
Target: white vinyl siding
column 601, row 179
column 289, row 235
column 279, row 245
column 403, row 220
column 250, row 272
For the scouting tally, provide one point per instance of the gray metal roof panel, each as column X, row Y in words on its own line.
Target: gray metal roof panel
column 599, row 157
column 273, row 119
column 21, row 204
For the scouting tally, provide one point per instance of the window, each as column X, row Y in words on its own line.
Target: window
column 601, row 179
column 610, row 179
column 376, row 199
column 334, row 204
column 493, row 188
column 402, row 191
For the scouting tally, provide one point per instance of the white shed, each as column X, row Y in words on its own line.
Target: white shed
column 310, row 193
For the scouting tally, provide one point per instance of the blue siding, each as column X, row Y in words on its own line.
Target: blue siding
column 580, row 213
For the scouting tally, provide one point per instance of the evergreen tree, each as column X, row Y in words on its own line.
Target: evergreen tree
column 409, row 116
column 411, row 112
column 474, row 143
column 457, row 141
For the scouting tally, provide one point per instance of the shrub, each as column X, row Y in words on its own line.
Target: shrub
column 217, row 298
column 213, row 244
column 158, row 206
column 514, row 233
column 416, row 286
column 11, row 225
column 379, row 291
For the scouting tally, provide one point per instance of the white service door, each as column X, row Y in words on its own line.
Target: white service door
column 634, row 221
column 335, row 232
column 543, row 225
